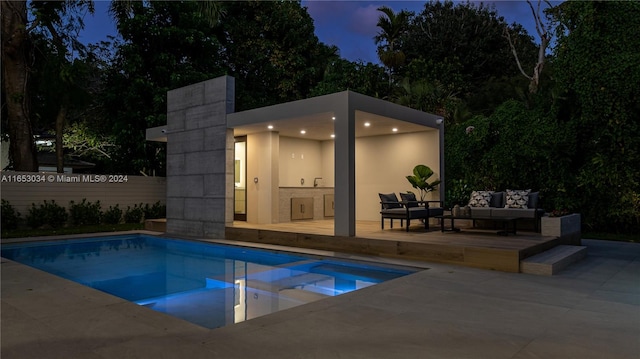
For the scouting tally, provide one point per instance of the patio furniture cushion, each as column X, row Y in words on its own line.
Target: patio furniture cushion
column 513, row 212
column 481, row 211
column 517, row 198
column 497, row 199
column 410, row 199
column 389, row 200
column 480, row 198
column 533, row 200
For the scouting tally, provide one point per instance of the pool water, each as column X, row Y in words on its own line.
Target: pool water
column 211, row 285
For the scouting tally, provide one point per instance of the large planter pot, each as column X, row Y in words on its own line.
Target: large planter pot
column 567, row 228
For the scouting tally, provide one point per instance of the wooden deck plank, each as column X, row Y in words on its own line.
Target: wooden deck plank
column 470, row 247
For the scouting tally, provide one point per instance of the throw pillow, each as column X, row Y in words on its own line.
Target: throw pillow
column 517, row 198
column 389, row 200
column 409, row 198
column 480, row 198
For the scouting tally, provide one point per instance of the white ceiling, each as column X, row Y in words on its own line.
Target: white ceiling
column 320, row 126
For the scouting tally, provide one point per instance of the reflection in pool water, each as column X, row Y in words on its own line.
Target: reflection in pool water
column 211, row 285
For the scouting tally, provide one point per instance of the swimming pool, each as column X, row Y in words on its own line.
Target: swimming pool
column 211, row 285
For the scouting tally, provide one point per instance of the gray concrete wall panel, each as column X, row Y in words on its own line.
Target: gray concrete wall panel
column 215, row 138
column 185, row 141
column 221, row 88
column 176, row 162
column 175, row 120
column 205, row 116
column 186, row 97
column 207, row 210
column 199, row 158
column 185, row 186
column 215, row 187
column 185, row 227
column 175, row 207
column 205, row 162
column 213, row 230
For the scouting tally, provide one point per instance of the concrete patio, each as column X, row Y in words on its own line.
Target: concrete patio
column 590, row 310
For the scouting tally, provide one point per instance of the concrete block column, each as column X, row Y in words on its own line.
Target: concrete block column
column 197, row 156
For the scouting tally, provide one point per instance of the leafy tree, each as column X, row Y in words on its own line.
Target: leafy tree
column 60, row 78
column 542, row 29
column 39, row 47
column 272, row 51
column 340, row 75
column 515, row 147
column 392, row 29
column 269, row 47
column 465, row 43
column 597, row 67
column 16, row 55
column 84, row 141
column 166, row 45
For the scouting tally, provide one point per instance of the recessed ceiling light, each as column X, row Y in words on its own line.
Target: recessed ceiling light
column 367, row 124
column 270, row 127
column 333, row 135
column 394, row 129
column 303, row 132
column 333, row 117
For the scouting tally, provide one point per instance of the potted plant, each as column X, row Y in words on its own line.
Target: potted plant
column 420, row 180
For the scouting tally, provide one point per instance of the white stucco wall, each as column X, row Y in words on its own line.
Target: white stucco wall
column 299, row 159
column 263, row 164
column 383, row 162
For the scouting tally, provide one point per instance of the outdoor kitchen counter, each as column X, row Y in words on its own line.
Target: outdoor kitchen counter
column 317, row 193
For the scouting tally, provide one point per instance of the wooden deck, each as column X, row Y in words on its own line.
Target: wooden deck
column 471, row 247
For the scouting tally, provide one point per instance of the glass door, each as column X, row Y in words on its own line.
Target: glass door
column 240, row 175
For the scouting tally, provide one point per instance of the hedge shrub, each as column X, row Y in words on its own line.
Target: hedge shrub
column 85, row 213
column 49, row 213
column 9, row 216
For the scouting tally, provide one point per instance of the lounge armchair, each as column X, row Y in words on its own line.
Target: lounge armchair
column 407, row 209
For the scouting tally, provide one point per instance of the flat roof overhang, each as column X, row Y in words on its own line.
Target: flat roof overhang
column 317, row 115
column 157, row 134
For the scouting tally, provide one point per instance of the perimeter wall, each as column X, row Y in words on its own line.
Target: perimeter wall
column 22, row 189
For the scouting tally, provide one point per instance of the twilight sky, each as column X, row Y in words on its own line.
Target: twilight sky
column 350, row 25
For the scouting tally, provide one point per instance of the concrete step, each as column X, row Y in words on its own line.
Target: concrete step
column 553, row 261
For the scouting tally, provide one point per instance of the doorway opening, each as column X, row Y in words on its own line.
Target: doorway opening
column 240, row 179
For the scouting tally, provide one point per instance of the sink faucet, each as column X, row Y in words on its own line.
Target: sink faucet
column 315, row 181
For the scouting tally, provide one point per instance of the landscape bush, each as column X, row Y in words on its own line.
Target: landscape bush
column 134, row 215
column 113, row 215
column 49, row 213
column 9, row 217
column 85, row 212
column 157, row 210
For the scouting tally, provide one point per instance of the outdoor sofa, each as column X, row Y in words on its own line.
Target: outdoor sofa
column 521, row 204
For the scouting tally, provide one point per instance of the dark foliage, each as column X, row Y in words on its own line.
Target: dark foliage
column 85, row 212
column 49, row 213
column 113, row 215
column 10, row 217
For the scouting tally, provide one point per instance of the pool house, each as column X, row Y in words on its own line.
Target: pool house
column 322, row 158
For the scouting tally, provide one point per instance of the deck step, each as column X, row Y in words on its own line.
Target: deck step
column 554, row 260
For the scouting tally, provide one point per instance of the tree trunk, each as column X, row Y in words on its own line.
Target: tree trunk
column 60, row 119
column 15, row 75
